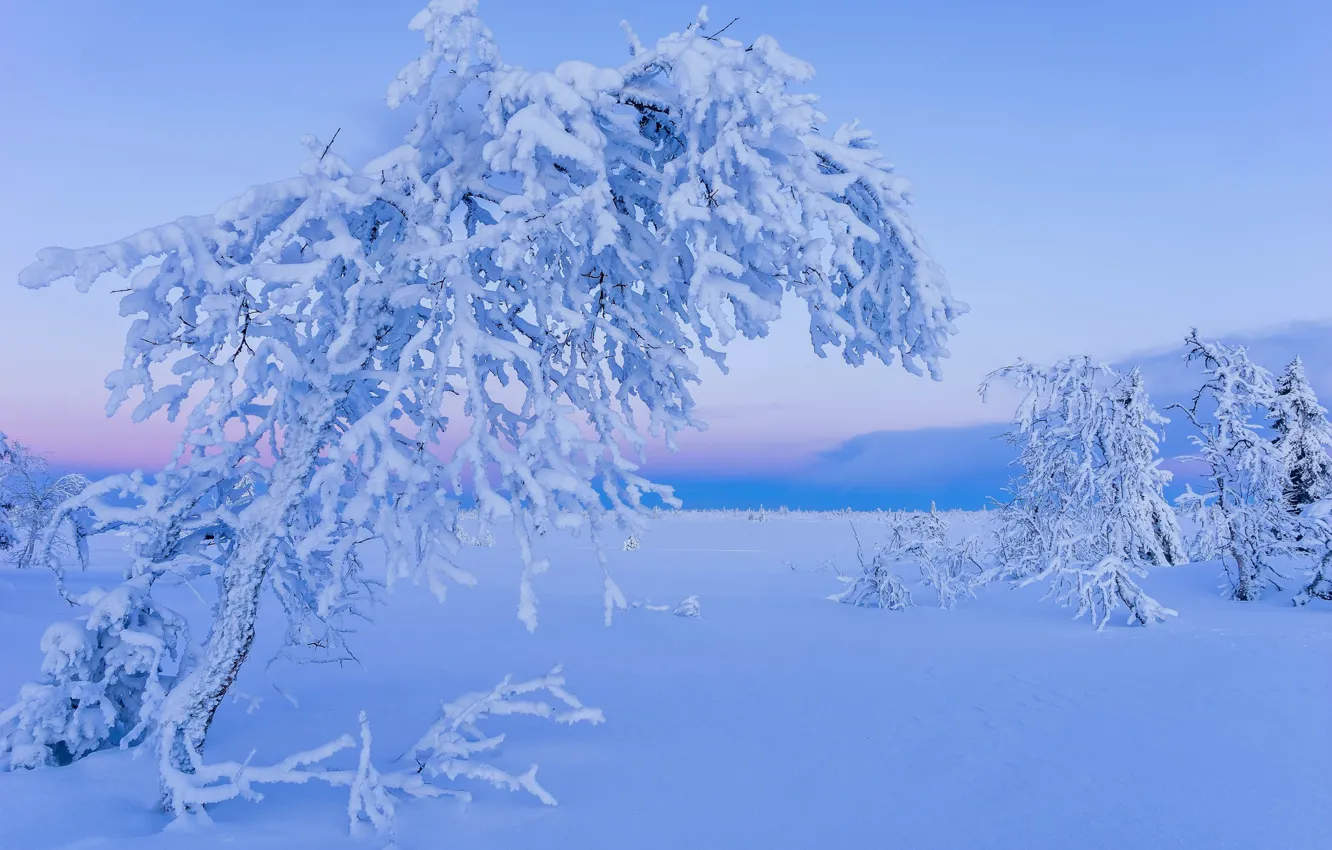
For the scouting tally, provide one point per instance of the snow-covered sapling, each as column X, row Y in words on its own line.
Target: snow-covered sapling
column 104, row 678
column 511, row 301
column 1087, row 511
column 1242, row 516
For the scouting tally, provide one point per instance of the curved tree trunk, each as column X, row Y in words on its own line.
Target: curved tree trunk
column 187, row 712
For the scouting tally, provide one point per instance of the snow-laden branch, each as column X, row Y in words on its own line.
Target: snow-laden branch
column 448, row 750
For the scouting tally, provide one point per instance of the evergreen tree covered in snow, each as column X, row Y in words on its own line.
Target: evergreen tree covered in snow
column 1303, row 436
column 1242, row 518
column 528, row 278
column 1134, row 477
column 1087, row 512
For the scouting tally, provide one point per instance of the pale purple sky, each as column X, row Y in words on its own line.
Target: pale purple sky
column 1093, row 177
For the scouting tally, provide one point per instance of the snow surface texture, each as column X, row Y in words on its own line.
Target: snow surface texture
column 777, row 720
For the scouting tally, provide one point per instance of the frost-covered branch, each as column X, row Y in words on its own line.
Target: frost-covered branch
column 447, row 750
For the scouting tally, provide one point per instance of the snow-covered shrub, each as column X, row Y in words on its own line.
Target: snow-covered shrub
column 104, row 677
column 1318, row 584
column 953, row 569
column 688, row 608
column 631, row 543
column 877, row 585
column 1242, row 518
column 1087, row 511
column 538, row 267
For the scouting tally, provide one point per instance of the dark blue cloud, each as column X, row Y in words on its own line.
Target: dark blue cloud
column 964, row 467
column 953, row 467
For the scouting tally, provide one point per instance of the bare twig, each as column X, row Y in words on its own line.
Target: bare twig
column 713, row 37
column 330, row 144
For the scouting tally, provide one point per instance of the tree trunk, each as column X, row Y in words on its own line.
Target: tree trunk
column 1246, row 587
column 187, row 713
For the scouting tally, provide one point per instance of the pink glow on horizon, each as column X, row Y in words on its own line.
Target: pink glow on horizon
column 87, row 440
column 81, row 436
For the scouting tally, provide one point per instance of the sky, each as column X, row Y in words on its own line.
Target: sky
column 1093, row 178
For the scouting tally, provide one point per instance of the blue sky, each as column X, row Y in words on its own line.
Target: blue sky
column 1095, row 178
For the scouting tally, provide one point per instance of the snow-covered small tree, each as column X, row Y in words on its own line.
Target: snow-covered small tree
column 1087, row 511
column 503, row 308
column 1242, row 518
column 30, row 500
column 1133, row 474
column 1303, row 436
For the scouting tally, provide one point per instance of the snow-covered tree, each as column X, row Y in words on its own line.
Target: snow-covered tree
column 1133, row 475
column 1303, row 436
column 1087, row 511
column 505, row 306
column 30, row 500
column 1242, row 518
